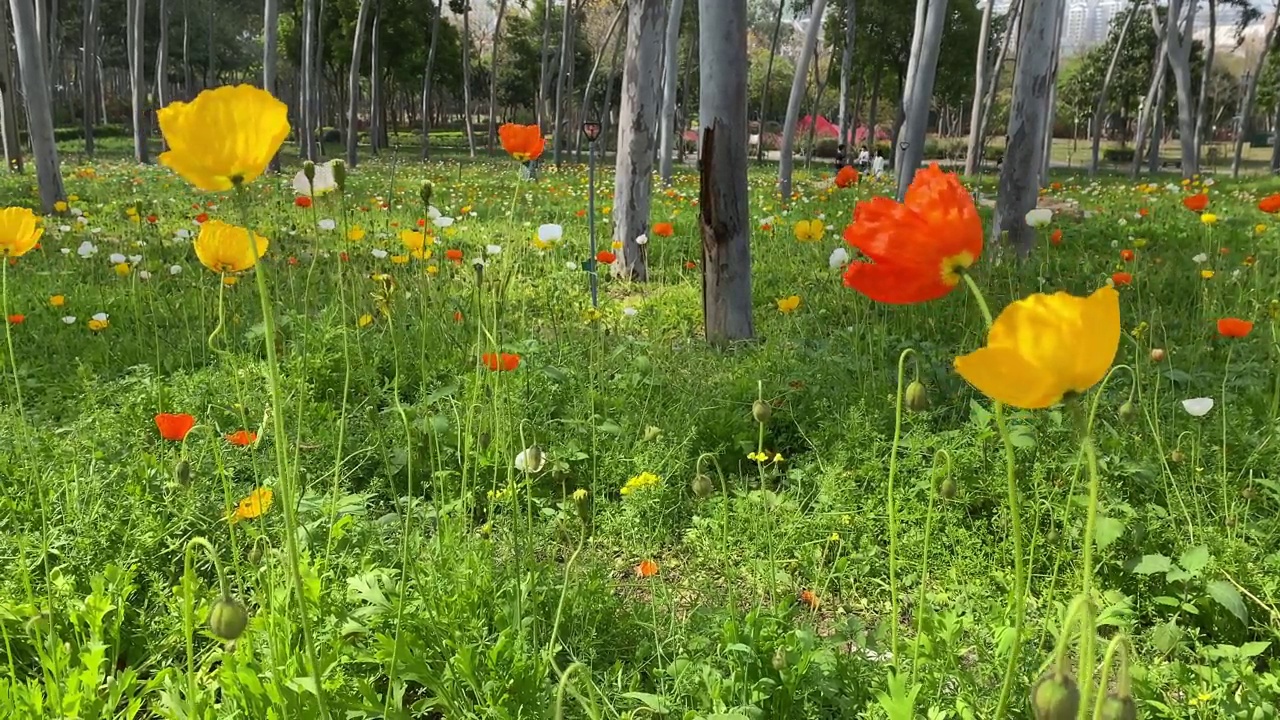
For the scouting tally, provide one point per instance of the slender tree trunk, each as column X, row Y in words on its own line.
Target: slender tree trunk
column 35, row 89
column 271, row 55
column 188, row 81
column 917, row 102
column 873, row 111
column 1206, row 79
column 426, row 81
column 1019, row 173
column 566, row 61
column 768, row 76
column 8, row 105
column 571, row 120
column 1251, row 96
column 724, row 219
column 1275, row 139
column 846, row 69
column 162, row 58
column 682, row 107
column 1100, row 102
column 1012, row 28
column 1047, row 156
column 606, row 123
column 671, row 72
column 1157, row 133
column 493, row 79
column 88, row 69
column 797, row 97
column 638, row 120
column 591, row 77
column 908, row 83
column 466, row 78
column 1151, row 103
column 377, row 94
column 211, row 64
column 979, row 90
column 318, row 86
column 134, row 22
column 1182, row 15
column 306, row 98
column 817, row 103
column 544, row 79
column 353, row 85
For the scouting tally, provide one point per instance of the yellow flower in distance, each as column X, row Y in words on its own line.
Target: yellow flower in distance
column 416, row 243
column 810, row 230
column 356, row 233
column 1209, row 219
column 253, row 505
column 19, row 231
column 1206, row 274
column 1044, row 347
column 788, row 304
column 223, row 138
column 228, row 248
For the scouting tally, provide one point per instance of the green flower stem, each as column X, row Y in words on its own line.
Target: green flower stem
column 189, row 611
column 1017, row 598
column 924, row 565
column 1119, row 647
column 1087, row 633
column 288, row 499
column 893, row 505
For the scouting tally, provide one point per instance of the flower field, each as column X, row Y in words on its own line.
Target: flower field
column 355, row 443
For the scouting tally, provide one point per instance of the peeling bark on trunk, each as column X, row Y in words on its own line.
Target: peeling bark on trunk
column 35, row 89
column 788, row 144
column 637, row 119
column 722, row 206
column 920, row 96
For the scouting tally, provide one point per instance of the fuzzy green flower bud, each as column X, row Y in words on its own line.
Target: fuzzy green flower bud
column 917, row 397
column 1055, row 697
column 309, row 171
column 339, row 174
column 228, row 618
column 425, row 191
column 761, row 411
column 702, row 486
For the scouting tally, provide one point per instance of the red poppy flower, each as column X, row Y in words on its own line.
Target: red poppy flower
column 1196, row 203
column 1143, row 212
column 606, row 257
column 664, row 229
column 522, row 142
column 1121, row 278
column 1270, row 204
column 808, row 598
column 454, row 255
column 152, row 219
column 293, row 260
column 1234, row 327
column 1055, row 237
column 646, row 569
column 457, row 316
column 242, row 438
column 302, row 201
column 17, row 319
column 202, row 218
column 174, row 426
column 1126, row 255
column 914, row 251
column 691, row 265
column 846, row 177
column 582, row 213
column 505, row 362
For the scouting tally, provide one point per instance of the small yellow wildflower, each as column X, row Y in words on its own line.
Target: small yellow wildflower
column 835, row 537
column 580, row 494
column 60, row 206
column 1206, row 274
column 356, row 233
column 433, row 270
column 1209, row 219
column 122, row 269
column 58, row 300
column 788, row 305
column 1259, row 228
column 365, row 320
column 400, row 259
column 97, row 325
column 253, row 505
column 640, row 482
column 230, row 280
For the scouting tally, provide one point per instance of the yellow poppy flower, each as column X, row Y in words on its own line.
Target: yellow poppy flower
column 57, row 300
column 400, row 259
column 1259, row 228
column 788, row 304
column 122, row 269
column 223, row 138
column 1043, row 347
column 365, row 320
column 228, row 248
column 810, row 230
column 416, row 243
column 19, row 231
column 60, row 206
column 253, row 505
column 356, row 233
column 1209, row 219
column 1206, row 274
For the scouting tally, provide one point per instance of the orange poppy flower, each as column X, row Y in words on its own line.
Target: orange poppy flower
column 1270, row 204
column 1196, row 203
column 505, row 362
column 174, row 426
column 1121, row 278
column 1234, row 327
column 1126, row 255
column 454, row 255
column 1055, row 237
column 914, row 251
column 17, row 319
column 664, row 229
column 846, row 177
column 808, row 598
column 302, row 201
column 242, row 438
column 202, row 218
column 691, row 265
column 1143, row 212
column 522, row 142
column 646, row 569
column 606, row 257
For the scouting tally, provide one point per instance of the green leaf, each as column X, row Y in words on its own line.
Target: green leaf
column 1167, row 636
column 1228, row 597
column 1107, row 532
column 1152, row 564
column 1022, row 438
column 980, row 415
column 1195, row 559
column 656, row 703
column 1253, row 649
column 610, row 427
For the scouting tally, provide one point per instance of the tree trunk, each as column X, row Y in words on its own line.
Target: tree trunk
column 306, row 138
column 188, row 81
column 1047, row 156
column 35, row 89
column 768, row 75
column 1182, row 15
column 162, row 58
column 353, row 85
column 979, row 90
column 682, row 108
column 637, row 119
column 271, row 55
column 493, row 79
column 908, row 82
column 317, row 86
column 1013, row 26
column 1251, row 96
column 377, row 96
column 88, row 69
column 671, row 73
column 801, row 78
column 846, row 69
column 426, row 81
column 873, row 111
column 918, row 100
column 1150, row 104
column 821, row 87
column 1275, row 139
column 1100, row 103
column 8, row 105
column 134, row 21
column 566, row 60
column 466, row 77
column 724, row 219
column 1028, row 112
column 211, row 67
column 544, row 79
column 606, row 122
column 1157, row 133
column 1206, row 78
column 591, row 77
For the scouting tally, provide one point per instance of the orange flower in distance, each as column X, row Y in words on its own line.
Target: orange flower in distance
column 174, row 426
column 17, row 319
column 847, row 176
column 1056, row 236
column 646, row 569
column 1196, row 203
column 454, row 255
column 914, row 251
column 1121, row 278
column 242, row 438
column 522, row 142
column 606, row 257
column 664, row 229
column 504, row 362
column 1270, row 204
column 808, row 598
column 1234, row 327
column 1126, row 255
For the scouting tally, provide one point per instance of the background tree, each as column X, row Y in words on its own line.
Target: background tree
column 787, row 149
column 35, row 89
column 637, row 134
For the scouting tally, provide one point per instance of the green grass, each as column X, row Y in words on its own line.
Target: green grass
column 441, row 582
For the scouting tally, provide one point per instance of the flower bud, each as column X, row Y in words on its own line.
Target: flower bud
column 228, row 618
column 1055, row 697
column 917, row 397
column 702, row 486
column 309, row 171
column 1128, row 411
column 1118, row 707
column 780, row 660
column 1177, row 456
column 761, row 411
column 182, row 472
column 652, row 433
column 1157, row 355
column 339, row 174
column 948, row 489
column 425, row 191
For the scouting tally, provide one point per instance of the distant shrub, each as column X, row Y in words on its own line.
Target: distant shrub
column 1118, row 155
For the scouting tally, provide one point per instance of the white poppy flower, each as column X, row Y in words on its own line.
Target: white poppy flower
column 570, row 265
column 432, row 212
column 323, row 182
column 550, row 233
column 379, row 253
column 82, row 220
column 531, row 460
column 182, row 233
column 86, row 249
column 492, row 249
column 144, row 275
column 115, row 258
column 1198, row 407
column 69, row 319
column 77, row 212
column 839, row 258
column 135, row 259
column 1201, row 258
column 175, row 269
column 629, row 311
column 101, row 317
column 328, row 224
column 442, row 221
column 1039, row 217
column 642, row 239
column 64, row 228
column 66, row 251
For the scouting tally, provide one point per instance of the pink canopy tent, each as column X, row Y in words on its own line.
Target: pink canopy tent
column 824, row 128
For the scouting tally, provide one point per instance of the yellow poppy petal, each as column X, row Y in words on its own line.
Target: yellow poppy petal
column 1004, row 375
column 1096, row 347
